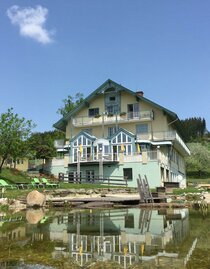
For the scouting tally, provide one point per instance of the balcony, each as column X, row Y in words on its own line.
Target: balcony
column 144, row 157
column 107, row 119
column 165, row 136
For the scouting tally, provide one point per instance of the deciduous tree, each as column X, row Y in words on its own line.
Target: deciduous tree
column 14, row 132
column 199, row 160
column 70, row 103
column 42, row 144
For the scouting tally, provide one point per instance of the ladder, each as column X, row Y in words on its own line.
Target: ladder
column 144, row 190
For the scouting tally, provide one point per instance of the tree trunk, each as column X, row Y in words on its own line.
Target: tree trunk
column 14, row 163
column 2, row 163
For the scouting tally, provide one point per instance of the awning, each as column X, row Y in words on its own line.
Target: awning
column 157, row 143
column 62, row 150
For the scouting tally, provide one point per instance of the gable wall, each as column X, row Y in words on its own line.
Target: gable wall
column 159, row 124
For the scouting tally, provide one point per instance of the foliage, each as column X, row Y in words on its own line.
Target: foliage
column 179, row 191
column 42, row 144
column 14, row 132
column 199, row 160
column 70, row 103
column 194, row 129
column 4, row 208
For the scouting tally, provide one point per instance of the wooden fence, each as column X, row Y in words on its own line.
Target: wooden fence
column 78, row 179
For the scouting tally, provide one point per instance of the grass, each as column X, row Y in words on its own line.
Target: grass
column 14, row 176
column 186, row 190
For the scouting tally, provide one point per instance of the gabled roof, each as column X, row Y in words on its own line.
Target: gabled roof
column 121, row 130
column 61, row 124
column 87, row 135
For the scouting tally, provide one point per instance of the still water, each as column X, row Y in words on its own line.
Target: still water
column 120, row 238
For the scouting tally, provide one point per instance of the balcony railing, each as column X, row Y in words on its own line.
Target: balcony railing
column 164, row 136
column 112, row 119
column 146, row 156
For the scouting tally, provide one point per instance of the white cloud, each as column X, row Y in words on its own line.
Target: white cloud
column 31, row 22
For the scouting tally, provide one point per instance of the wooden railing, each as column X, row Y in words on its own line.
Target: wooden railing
column 77, row 179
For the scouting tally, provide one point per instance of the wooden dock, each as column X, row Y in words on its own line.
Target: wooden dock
column 110, row 201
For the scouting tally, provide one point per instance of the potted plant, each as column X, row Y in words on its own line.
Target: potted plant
column 122, row 113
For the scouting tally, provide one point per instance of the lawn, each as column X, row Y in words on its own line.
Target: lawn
column 14, row 176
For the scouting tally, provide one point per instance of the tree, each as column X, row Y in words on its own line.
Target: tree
column 194, row 129
column 42, row 144
column 14, row 132
column 199, row 160
column 70, row 103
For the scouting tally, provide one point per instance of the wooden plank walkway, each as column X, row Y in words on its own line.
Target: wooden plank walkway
column 115, row 199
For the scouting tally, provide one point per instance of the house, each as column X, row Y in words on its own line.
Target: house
column 116, row 132
column 20, row 164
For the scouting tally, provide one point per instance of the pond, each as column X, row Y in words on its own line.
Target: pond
column 118, row 238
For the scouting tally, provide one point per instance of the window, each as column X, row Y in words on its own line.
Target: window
column 112, row 102
column 112, row 98
column 106, row 149
column 93, row 112
column 142, row 129
column 112, row 130
column 129, row 149
column 121, row 137
column 128, row 173
column 129, row 221
column 90, row 175
column 113, row 109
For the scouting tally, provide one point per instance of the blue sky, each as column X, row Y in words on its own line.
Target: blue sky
column 52, row 49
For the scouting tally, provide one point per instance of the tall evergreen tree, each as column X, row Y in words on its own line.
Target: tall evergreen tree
column 193, row 129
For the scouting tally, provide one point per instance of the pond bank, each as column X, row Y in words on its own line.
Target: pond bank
column 99, row 198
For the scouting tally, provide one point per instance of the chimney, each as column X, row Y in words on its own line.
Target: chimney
column 140, row 93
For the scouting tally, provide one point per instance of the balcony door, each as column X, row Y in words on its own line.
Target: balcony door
column 133, row 111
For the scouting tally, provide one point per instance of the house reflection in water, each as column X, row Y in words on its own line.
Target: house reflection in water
column 124, row 236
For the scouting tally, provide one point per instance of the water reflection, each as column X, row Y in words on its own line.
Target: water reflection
column 127, row 237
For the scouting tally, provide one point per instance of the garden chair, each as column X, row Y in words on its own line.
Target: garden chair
column 44, row 219
column 4, row 184
column 49, row 184
column 37, row 183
